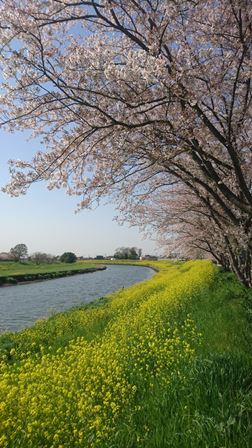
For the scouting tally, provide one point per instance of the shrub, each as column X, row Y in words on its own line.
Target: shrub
column 68, row 257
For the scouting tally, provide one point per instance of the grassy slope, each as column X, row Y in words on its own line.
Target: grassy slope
column 10, row 269
column 191, row 391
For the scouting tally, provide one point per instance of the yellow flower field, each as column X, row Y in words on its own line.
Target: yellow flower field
column 83, row 394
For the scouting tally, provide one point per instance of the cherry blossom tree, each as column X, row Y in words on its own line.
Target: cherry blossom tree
column 185, row 227
column 133, row 96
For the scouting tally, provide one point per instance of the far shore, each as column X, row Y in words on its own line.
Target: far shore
column 30, row 277
column 19, row 273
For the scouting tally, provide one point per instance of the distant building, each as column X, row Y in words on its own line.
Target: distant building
column 99, row 257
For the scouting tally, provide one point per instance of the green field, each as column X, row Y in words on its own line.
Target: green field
column 165, row 363
column 12, row 268
column 12, row 273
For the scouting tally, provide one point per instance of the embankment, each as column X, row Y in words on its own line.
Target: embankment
column 165, row 363
column 16, row 279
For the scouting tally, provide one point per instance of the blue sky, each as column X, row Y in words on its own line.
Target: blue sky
column 45, row 220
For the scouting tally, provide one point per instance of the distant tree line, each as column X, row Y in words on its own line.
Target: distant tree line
column 128, row 253
column 19, row 253
column 42, row 257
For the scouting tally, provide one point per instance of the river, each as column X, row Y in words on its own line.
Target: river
column 22, row 305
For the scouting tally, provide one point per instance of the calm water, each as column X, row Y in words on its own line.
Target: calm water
column 22, row 305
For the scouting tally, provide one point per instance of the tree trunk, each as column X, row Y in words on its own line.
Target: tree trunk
column 241, row 265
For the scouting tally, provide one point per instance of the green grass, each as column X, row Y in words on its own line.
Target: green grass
column 172, row 354
column 13, row 273
column 213, row 407
column 11, row 269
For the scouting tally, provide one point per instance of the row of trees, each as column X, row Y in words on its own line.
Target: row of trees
column 147, row 101
column 20, row 252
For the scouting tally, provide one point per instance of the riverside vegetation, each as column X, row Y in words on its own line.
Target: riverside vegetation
column 165, row 363
column 15, row 272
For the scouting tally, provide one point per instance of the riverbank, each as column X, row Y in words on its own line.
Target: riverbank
column 165, row 363
column 23, row 305
column 12, row 273
column 145, row 264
